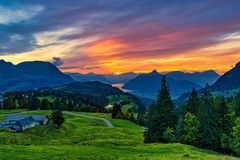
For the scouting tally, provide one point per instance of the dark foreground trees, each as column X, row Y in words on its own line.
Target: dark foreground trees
column 206, row 121
column 57, row 118
column 161, row 118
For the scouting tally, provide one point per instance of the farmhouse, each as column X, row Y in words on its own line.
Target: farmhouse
column 16, row 123
column 40, row 119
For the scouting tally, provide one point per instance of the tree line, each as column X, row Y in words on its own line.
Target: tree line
column 116, row 113
column 58, row 100
column 205, row 121
column 34, row 100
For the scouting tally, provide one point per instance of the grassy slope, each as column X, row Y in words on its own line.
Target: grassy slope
column 82, row 138
column 115, row 98
column 49, row 98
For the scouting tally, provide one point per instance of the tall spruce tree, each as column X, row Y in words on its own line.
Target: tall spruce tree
column 34, row 103
column 236, row 136
column 151, row 125
column 221, row 117
column 45, row 104
column 206, row 117
column 161, row 116
column 236, row 107
column 193, row 103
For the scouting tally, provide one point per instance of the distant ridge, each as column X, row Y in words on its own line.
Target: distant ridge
column 201, row 78
column 228, row 82
column 30, row 75
column 147, row 85
column 120, row 78
column 88, row 77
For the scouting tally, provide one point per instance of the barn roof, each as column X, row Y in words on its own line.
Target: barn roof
column 15, row 117
column 26, row 121
column 39, row 117
column 20, row 117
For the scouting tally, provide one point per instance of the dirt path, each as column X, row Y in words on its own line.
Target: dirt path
column 108, row 123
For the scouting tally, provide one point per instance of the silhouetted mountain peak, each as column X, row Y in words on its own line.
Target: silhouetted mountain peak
column 91, row 73
column 148, row 85
column 229, row 80
column 238, row 65
column 40, row 67
column 5, row 67
column 4, row 62
column 30, row 75
column 211, row 72
column 154, row 72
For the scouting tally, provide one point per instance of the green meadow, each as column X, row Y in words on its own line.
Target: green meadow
column 83, row 138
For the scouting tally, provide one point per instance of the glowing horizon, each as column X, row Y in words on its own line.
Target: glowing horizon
column 128, row 36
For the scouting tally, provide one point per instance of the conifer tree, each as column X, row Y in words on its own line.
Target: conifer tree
column 236, row 107
column 207, row 120
column 57, row 118
column 117, row 111
column 193, row 103
column 45, row 104
column 140, row 118
column 161, row 117
column 236, row 136
column 221, row 111
column 151, row 125
column 34, row 103
column 57, row 104
column 70, row 105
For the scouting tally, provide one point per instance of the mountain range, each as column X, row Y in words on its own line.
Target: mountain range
column 120, row 78
column 88, row 77
column 228, row 84
column 147, row 85
column 104, row 78
column 38, row 74
column 30, row 76
column 228, row 81
column 201, row 78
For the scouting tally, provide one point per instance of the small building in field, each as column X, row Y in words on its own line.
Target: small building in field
column 17, row 123
column 109, row 107
column 40, row 119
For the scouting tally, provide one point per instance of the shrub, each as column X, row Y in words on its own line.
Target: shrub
column 57, row 118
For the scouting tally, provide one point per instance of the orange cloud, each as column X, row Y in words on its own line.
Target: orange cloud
column 105, row 47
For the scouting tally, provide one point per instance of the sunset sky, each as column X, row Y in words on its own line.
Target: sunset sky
column 117, row 36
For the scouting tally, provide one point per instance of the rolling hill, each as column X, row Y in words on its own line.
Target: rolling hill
column 93, row 92
column 94, row 88
column 88, row 77
column 85, row 138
